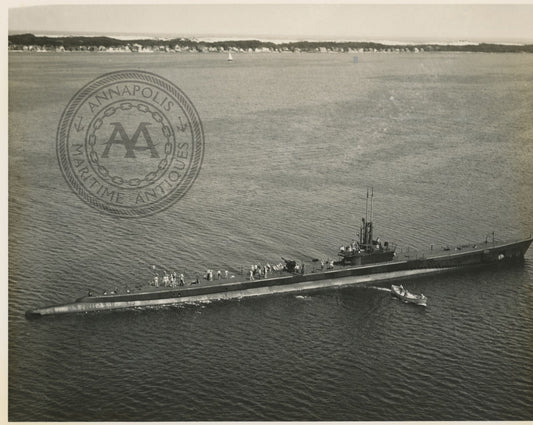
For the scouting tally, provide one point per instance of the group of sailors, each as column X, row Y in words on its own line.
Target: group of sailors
column 168, row 279
column 210, row 276
column 173, row 279
column 351, row 248
column 355, row 248
column 257, row 271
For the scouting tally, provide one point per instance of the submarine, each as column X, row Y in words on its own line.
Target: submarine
column 363, row 261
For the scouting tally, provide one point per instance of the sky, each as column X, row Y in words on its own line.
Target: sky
column 400, row 22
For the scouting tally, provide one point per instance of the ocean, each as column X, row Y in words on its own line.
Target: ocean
column 292, row 142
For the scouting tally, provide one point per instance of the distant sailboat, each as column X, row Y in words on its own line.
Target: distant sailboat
column 230, row 58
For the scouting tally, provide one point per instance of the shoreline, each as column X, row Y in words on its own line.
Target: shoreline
column 32, row 42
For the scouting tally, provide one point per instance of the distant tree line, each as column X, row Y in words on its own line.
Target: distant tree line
column 75, row 42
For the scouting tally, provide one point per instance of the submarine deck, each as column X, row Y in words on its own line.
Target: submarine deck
column 407, row 263
column 443, row 257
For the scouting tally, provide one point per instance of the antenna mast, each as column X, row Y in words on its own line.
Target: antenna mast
column 372, row 205
column 366, row 212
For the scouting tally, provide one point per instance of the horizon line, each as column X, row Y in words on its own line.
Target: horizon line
column 266, row 38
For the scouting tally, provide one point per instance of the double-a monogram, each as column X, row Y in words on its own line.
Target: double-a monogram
column 130, row 144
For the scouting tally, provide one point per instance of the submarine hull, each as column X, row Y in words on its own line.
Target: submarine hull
column 402, row 267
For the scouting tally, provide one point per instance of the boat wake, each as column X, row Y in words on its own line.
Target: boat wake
column 377, row 288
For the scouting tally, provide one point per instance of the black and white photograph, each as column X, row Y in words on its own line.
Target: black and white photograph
column 236, row 212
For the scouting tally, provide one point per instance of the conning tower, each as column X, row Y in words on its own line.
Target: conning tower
column 366, row 250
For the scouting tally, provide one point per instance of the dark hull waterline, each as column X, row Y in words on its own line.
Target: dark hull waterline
column 427, row 263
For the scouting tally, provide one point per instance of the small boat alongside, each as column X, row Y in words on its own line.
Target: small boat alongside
column 403, row 294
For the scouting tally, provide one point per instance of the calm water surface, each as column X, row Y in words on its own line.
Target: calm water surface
column 292, row 142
